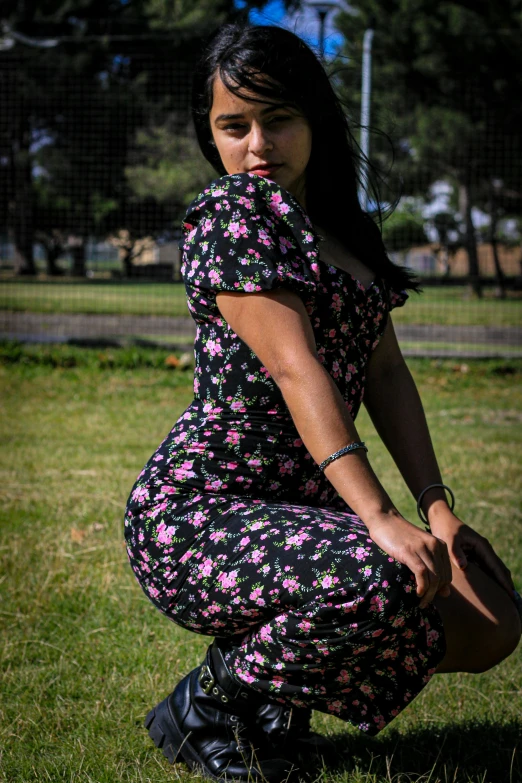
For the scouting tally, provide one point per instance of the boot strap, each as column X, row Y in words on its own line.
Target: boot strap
column 210, row 686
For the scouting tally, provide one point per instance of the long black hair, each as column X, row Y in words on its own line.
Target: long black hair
column 279, row 67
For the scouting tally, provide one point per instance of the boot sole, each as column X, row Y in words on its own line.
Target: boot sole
column 167, row 736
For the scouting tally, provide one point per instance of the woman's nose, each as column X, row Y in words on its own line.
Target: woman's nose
column 259, row 141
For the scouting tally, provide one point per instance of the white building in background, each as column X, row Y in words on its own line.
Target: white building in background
column 304, row 22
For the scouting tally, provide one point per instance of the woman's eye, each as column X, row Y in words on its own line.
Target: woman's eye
column 234, row 127
column 280, row 118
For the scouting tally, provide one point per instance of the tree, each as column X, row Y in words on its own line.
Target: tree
column 449, row 75
column 70, row 112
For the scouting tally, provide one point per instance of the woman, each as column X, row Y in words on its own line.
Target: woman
column 259, row 519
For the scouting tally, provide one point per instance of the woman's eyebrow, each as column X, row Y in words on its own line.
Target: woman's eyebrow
column 267, row 110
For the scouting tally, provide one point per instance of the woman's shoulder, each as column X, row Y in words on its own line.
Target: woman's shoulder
column 254, row 196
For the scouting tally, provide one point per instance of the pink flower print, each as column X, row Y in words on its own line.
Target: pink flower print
column 264, row 238
column 244, row 541
column 238, row 229
column 196, row 448
column 218, row 535
column 214, row 484
column 335, row 706
column 256, row 594
column 249, row 286
column 186, row 556
column 206, row 567
column 257, row 555
column 198, row 519
column 332, row 333
column 184, row 472
column 140, row 494
column 432, row 636
column 232, row 437
column 165, row 533
column 265, row 633
column 254, row 462
column 291, row 585
column 376, row 604
column 213, row 347
column 284, row 245
column 157, row 510
column 311, row 487
column 327, row 581
column 228, row 579
column 361, row 553
column 336, row 302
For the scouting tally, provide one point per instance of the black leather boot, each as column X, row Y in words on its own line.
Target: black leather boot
column 209, row 721
column 289, row 732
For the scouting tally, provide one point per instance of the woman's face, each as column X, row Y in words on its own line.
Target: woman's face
column 272, row 141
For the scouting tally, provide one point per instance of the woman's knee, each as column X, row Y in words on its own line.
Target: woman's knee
column 503, row 638
column 481, row 623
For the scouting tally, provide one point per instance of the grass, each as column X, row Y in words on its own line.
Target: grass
column 452, row 306
column 441, row 304
column 102, row 297
column 83, row 654
column 457, row 347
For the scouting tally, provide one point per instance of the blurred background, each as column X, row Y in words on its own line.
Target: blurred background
column 98, row 160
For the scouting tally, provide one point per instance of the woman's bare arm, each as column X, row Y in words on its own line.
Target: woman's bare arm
column 395, row 407
column 276, row 326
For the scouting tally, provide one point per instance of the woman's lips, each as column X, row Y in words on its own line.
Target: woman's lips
column 265, row 171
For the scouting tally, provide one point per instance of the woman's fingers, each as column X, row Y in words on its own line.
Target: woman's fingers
column 432, row 569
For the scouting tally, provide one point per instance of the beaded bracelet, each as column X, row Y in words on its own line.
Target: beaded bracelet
column 420, row 512
column 345, row 450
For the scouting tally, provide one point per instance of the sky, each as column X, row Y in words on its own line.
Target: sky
column 303, row 22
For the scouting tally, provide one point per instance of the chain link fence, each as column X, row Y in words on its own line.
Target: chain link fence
column 98, row 161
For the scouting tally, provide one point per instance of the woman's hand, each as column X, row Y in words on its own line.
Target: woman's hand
column 465, row 544
column 424, row 554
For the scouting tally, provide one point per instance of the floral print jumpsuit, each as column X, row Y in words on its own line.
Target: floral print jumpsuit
column 232, row 530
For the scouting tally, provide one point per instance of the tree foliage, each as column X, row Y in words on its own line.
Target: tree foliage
column 446, row 84
column 93, row 95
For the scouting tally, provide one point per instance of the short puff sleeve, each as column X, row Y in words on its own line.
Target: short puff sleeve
column 396, row 298
column 245, row 234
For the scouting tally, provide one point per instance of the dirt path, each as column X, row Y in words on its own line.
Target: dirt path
column 94, row 328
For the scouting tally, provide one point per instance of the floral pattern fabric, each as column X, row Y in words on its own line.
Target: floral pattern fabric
column 232, row 530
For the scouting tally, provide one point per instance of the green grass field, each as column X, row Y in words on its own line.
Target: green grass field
column 437, row 305
column 84, row 655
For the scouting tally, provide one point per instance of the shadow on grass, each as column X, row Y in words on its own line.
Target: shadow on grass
column 460, row 752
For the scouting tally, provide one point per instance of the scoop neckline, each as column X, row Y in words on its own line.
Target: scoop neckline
column 360, row 285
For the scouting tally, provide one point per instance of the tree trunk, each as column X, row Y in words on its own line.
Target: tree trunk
column 52, row 254
column 128, row 266
column 470, row 240
column 22, row 207
column 79, row 267
column 499, row 274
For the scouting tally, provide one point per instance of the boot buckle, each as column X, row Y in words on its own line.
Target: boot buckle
column 206, row 680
